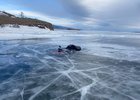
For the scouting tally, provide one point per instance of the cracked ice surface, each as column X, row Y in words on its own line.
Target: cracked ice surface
column 31, row 69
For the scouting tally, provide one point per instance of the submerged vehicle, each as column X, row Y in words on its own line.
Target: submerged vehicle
column 69, row 48
column 73, row 47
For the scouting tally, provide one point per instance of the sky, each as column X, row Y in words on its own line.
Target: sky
column 104, row 15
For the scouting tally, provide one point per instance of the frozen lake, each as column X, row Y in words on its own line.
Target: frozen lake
column 107, row 68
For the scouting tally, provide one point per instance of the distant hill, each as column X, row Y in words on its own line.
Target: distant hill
column 3, row 13
column 7, row 18
column 64, row 28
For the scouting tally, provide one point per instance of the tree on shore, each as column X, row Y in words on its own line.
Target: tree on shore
column 22, row 15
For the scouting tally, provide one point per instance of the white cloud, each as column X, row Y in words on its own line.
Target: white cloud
column 113, row 13
column 97, row 4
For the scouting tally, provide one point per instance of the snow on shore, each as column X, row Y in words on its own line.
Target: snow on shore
column 24, row 32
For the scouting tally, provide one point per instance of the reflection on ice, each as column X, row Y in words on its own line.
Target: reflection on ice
column 32, row 70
